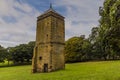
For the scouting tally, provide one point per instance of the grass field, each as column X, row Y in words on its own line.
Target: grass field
column 104, row 70
column 6, row 63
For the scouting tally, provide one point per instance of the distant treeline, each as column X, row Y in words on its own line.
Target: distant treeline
column 19, row 54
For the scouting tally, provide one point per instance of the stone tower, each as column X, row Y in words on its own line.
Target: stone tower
column 50, row 39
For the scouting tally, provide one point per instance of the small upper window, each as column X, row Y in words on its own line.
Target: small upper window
column 40, row 58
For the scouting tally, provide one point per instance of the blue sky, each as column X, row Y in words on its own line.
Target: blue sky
column 18, row 18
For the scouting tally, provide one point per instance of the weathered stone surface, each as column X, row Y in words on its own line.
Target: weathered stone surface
column 50, row 39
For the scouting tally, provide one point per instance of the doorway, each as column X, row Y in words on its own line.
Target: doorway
column 45, row 67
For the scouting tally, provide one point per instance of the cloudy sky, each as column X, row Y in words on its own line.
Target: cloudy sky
column 18, row 18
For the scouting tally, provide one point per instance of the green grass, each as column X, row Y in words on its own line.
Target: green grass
column 6, row 64
column 104, row 70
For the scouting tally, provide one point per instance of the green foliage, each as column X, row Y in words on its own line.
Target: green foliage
column 18, row 54
column 76, row 49
column 22, row 53
column 3, row 54
column 106, row 70
column 106, row 43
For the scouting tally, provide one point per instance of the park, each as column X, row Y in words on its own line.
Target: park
column 53, row 57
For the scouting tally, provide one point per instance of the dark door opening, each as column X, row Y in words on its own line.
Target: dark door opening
column 45, row 67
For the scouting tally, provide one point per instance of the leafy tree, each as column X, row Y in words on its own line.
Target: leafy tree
column 76, row 49
column 3, row 54
column 96, row 51
column 30, row 48
column 22, row 53
column 8, row 55
column 106, row 43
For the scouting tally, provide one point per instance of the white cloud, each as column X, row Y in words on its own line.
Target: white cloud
column 21, row 28
column 81, row 16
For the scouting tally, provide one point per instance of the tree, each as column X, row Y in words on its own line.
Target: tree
column 3, row 54
column 9, row 55
column 30, row 48
column 21, row 53
column 108, row 39
column 76, row 49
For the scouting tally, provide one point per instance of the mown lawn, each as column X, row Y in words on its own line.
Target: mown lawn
column 6, row 64
column 104, row 70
